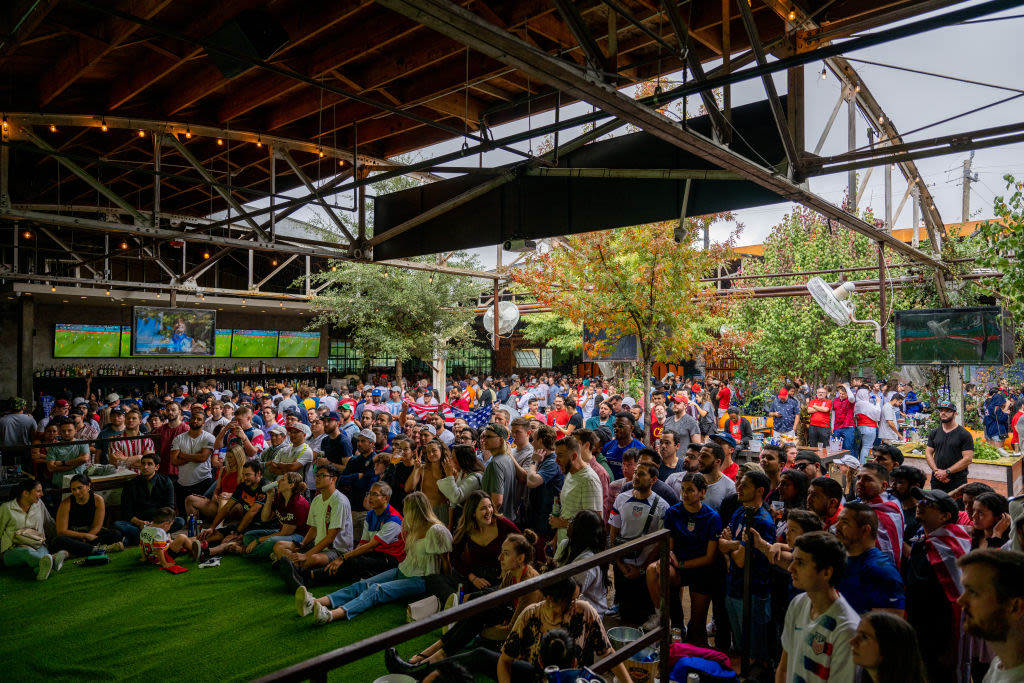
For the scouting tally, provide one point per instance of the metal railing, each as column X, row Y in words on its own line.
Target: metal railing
column 316, row 668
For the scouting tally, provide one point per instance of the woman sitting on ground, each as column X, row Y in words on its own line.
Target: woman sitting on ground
column 586, row 537
column 227, row 481
column 289, row 511
column 477, row 543
column 27, row 512
column 463, row 473
column 80, row 522
column 427, row 542
column 494, row 624
column 429, row 471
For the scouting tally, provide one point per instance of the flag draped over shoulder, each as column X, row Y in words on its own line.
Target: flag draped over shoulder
column 477, row 419
column 890, row 527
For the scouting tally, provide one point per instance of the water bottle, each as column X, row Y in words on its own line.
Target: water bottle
column 462, row 596
column 192, row 525
column 552, row 673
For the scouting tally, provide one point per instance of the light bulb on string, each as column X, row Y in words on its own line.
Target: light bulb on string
column 103, row 125
column 142, row 133
column 124, row 245
column 220, row 142
column 792, row 15
column 53, row 128
column 824, row 73
column 188, row 133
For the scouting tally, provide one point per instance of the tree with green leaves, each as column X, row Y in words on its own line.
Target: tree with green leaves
column 634, row 281
column 782, row 337
column 1005, row 239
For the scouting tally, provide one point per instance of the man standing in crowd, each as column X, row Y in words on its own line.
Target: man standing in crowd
column 820, row 423
column 16, row 426
column 623, row 441
column 167, row 433
column 871, row 580
column 719, row 485
column 825, row 499
column 993, row 608
column 191, row 453
column 634, row 514
column 216, row 418
column 785, row 414
column 604, row 417
column 114, row 428
column 685, row 428
column 65, row 461
column 499, row 479
column 544, row 479
column 580, row 491
column 889, row 425
column 730, row 468
column 950, row 450
column 127, row 453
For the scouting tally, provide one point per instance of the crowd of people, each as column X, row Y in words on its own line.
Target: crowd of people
column 393, row 492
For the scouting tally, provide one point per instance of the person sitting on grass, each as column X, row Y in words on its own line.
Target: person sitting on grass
column 427, row 542
column 142, row 497
column 250, row 497
column 286, row 515
column 158, row 548
column 329, row 535
column 381, row 548
column 476, row 544
column 493, row 625
column 227, row 481
column 26, row 511
column 80, row 522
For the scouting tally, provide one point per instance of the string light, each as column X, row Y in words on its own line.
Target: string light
column 27, row 235
column 53, row 289
column 206, row 254
column 320, row 152
column 188, row 133
column 792, row 15
column 108, row 292
column 158, row 295
column 142, row 133
column 220, row 142
column 273, row 262
column 5, row 122
column 259, row 143
column 124, row 245
column 881, row 118
column 53, row 128
column 824, row 73
column 334, row 268
column 103, row 125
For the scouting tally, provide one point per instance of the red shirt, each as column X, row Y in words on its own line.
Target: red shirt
column 724, row 397
column 731, row 471
column 559, row 417
column 842, row 407
column 821, row 419
column 735, row 429
column 167, row 434
column 1014, row 436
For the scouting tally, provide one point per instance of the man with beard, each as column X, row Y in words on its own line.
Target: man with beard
column 719, row 485
column 771, row 463
column 993, row 608
column 691, row 463
column 681, row 424
column 950, row 450
column 622, row 442
column 580, row 491
column 604, row 417
column 932, row 581
column 904, row 479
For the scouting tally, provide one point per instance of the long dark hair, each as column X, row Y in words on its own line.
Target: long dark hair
column 466, row 457
column 897, row 645
column 801, row 483
column 586, row 532
column 467, row 522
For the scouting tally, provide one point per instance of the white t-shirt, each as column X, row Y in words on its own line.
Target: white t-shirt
column 333, row 513
column 884, row 431
column 818, row 650
column 629, row 515
column 211, row 424
column 997, row 674
column 301, row 454
column 192, row 473
column 718, row 492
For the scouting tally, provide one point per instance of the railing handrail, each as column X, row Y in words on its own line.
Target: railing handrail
column 317, row 667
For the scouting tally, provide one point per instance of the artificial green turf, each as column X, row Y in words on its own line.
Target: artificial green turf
column 129, row 621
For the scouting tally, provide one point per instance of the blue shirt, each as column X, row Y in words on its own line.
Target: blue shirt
column 789, row 410
column 911, row 409
column 691, row 531
column 872, row 582
column 541, row 500
column 612, row 452
column 759, row 567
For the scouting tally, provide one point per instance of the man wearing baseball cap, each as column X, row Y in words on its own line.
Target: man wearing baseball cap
column 296, row 457
column 950, row 450
column 16, row 427
column 785, row 414
column 354, row 481
column 60, row 409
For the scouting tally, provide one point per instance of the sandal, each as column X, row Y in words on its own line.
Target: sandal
column 420, row 658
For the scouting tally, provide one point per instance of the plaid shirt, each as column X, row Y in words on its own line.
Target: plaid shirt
column 581, row 491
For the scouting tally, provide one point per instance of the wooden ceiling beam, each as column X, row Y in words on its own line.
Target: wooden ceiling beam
column 22, row 19
column 85, row 53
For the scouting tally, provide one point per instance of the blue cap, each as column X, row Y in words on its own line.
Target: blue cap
column 727, row 438
column 375, row 392
column 946, row 405
column 332, row 416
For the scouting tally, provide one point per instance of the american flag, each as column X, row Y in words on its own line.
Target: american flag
column 890, row 527
column 477, row 419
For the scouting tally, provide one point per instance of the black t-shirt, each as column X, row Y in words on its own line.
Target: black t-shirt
column 949, row 450
column 576, row 420
column 336, row 450
column 397, row 477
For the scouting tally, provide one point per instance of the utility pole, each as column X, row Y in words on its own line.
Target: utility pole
column 968, row 179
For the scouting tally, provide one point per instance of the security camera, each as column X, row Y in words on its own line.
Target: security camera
column 680, row 235
column 519, row 245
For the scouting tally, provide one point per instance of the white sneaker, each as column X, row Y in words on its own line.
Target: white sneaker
column 58, row 559
column 653, row 622
column 304, row 601
column 45, row 565
column 322, row 614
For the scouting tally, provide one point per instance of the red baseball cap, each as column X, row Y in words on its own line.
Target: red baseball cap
column 783, row 394
column 695, row 387
column 61, row 402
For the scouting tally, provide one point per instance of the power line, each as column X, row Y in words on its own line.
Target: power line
column 936, row 75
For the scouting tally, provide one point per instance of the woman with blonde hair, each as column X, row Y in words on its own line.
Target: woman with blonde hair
column 227, row 481
column 427, row 544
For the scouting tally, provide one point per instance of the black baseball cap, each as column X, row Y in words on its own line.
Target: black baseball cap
column 940, row 498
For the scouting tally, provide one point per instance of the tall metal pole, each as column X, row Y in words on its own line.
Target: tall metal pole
column 496, row 337
column 917, row 215
column 888, row 198
column 155, row 221
column 273, row 192
column 881, row 293
column 966, row 204
column 851, row 134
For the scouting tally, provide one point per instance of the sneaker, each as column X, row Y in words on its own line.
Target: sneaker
column 45, row 566
column 195, row 550
column 304, row 601
column 451, row 601
column 322, row 614
column 653, row 621
column 111, row 547
column 58, row 559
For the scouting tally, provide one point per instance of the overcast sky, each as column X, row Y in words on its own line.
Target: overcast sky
column 988, row 52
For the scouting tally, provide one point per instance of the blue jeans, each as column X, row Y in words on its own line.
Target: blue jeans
column 386, row 587
column 263, row 549
column 22, row 556
column 847, row 435
column 867, row 440
column 760, row 626
column 131, row 532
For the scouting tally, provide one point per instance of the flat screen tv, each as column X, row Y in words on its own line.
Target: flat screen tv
column 222, row 347
column 298, row 344
column 953, row 336
column 86, row 341
column 254, row 343
column 173, row 331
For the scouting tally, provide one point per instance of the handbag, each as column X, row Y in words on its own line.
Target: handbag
column 422, row 608
column 29, row 538
column 707, row 425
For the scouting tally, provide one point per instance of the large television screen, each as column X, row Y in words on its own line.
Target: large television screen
column 298, row 344
column 222, row 347
column 950, row 336
column 86, row 341
column 173, row 331
column 254, row 343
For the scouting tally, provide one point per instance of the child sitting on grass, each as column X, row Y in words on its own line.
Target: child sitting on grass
column 158, row 548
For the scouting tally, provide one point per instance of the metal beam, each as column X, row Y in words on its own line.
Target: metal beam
column 574, row 20
column 60, row 243
column 275, row 271
column 718, row 122
column 283, row 154
column 781, row 125
column 225, row 195
column 464, row 26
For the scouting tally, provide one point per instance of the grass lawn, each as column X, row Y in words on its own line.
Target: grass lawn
column 126, row 621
